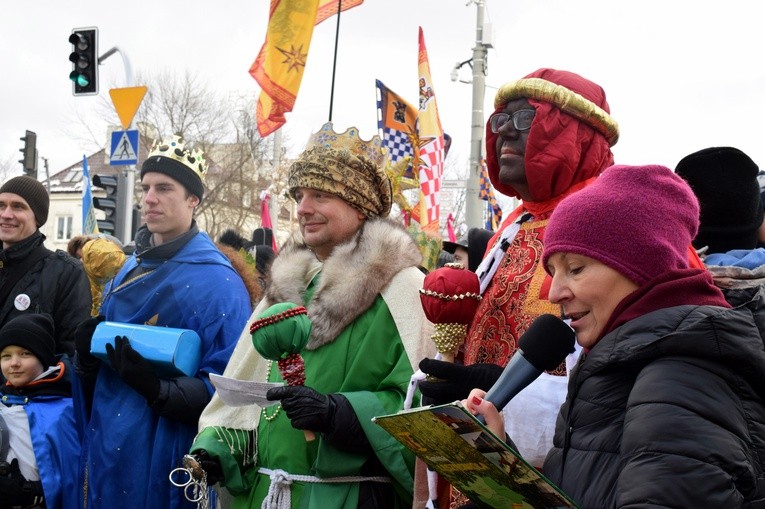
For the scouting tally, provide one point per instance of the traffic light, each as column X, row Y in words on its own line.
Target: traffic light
column 84, row 58
column 29, row 158
column 108, row 204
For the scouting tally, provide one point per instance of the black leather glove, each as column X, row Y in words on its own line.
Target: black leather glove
column 83, row 336
column 133, row 368
column 15, row 490
column 455, row 381
column 210, row 465
column 306, row 408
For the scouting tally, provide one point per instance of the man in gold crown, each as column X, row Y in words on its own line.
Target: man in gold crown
column 356, row 273
column 176, row 278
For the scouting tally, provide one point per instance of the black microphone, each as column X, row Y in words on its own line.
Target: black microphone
column 541, row 348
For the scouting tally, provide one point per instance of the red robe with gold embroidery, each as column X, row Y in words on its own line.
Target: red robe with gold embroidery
column 517, row 294
column 562, row 156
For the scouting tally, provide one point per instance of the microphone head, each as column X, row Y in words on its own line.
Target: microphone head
column 547, row 342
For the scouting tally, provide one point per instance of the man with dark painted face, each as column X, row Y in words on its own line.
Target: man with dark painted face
column 550, row 135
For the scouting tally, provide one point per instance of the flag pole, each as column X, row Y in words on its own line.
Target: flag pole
column 334, row 60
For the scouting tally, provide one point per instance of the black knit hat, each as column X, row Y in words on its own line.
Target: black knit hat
column 264, row 256
column 176, row 170
column 33, row 332
column 724, row 180
column 33, row 192
column 478, row 239
column 263, row 236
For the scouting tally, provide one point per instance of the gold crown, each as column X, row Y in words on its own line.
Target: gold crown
column 177, row 150
column 350, row 141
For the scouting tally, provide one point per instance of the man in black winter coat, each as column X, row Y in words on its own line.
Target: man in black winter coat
column 34, row 279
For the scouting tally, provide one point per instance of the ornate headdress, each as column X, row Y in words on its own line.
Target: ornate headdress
column 185, row 165
column 345, row 165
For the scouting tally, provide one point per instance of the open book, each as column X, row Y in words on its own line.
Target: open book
column 451, row 441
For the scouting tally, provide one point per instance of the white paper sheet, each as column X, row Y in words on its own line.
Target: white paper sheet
column 235, row 392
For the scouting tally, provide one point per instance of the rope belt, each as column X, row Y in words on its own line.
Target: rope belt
column 279, row 491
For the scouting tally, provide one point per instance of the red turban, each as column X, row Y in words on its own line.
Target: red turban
column 566, row 145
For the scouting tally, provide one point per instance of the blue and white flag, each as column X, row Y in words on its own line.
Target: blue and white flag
column 89, row 225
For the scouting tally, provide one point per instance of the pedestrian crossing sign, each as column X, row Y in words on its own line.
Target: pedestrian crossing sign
column 124, row 148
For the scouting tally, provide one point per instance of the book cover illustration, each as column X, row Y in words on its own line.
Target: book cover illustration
column 451, row 441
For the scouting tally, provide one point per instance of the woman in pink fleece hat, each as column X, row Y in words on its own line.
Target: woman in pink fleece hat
column 665, row 406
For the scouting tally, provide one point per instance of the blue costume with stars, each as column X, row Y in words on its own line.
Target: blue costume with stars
column 132, row 447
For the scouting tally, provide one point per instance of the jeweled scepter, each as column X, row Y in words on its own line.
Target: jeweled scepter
column 279, row 334
column 450, row 297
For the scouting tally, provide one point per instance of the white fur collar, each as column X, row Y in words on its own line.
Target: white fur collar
column 351, row 278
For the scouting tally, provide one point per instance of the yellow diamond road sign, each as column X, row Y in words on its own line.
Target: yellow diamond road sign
column 126, row 102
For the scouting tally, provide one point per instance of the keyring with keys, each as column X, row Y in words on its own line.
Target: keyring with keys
column 193, row 479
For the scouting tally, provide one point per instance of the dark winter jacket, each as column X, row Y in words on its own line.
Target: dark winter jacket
column 56, row 284
column 667, row 410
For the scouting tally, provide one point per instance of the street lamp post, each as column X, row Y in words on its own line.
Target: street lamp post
column 473, row 204
column 127, row 176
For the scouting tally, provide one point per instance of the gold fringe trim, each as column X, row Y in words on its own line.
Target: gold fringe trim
column 565, row 99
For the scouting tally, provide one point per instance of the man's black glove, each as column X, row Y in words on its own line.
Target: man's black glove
column 455, row 381
column 210, row 465
column 306, row 408
column 15, row 490
column 83, row 336
column 133, row 368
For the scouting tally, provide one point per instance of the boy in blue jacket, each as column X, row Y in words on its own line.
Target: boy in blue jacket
column 40, row 451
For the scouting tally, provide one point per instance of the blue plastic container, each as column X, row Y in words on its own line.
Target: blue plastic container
column 172, row 352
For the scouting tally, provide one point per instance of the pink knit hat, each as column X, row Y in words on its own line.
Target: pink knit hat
column 638, row 220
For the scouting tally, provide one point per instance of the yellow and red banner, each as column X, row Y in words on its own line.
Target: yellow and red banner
column 431, row 144
column 279, row 66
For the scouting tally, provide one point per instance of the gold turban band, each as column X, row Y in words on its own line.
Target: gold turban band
column 565, row 99
column 347, row 167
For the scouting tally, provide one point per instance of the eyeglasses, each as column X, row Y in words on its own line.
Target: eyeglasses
column 521, row 120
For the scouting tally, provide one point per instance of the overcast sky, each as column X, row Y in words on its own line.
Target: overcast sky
column 680, row 75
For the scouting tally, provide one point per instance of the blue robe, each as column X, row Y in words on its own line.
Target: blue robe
column 131, row 449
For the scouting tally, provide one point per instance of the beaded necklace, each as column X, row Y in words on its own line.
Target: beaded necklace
column 271, row 417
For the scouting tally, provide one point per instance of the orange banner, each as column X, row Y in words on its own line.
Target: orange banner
column 279, row 66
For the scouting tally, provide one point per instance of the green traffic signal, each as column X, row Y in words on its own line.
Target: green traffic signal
column 84, row 58
column 81, row 80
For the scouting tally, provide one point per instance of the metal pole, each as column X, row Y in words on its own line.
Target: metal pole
column 126, row 178
column 47, row 173
column 274, row 208
column 334, row 59
column 474, row 206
